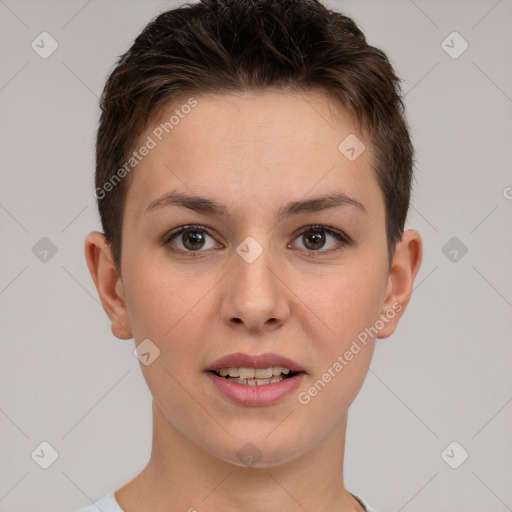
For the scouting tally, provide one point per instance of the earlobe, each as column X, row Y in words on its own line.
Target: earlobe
column 108, row 283
column 404, row 268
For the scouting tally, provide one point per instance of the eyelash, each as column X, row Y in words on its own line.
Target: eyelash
column 343, row 239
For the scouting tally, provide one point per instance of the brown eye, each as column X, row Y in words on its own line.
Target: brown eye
column 192, row 240
column 188, row 239
column 315, row 238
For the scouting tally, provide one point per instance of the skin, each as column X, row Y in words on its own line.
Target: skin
column 253, row 152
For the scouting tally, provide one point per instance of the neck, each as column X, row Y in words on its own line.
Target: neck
column 181, row 475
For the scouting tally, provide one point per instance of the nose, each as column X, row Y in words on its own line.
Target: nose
column 255, row 297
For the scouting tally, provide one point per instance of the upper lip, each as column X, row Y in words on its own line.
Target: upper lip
column 240, row 360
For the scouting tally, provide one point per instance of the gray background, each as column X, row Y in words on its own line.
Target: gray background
column 445, row 374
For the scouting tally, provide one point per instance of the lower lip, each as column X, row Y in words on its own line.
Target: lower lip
column 256, row 395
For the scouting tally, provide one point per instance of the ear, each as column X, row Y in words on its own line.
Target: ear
column 108, row 283
column 404, row 267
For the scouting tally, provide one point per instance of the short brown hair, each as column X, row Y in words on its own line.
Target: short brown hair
column 222, row 46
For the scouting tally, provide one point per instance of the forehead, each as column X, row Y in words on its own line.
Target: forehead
column 255, row 146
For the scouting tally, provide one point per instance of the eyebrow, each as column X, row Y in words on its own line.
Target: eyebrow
column 208, row 206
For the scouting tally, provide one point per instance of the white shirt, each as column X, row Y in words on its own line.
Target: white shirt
column 109, row 504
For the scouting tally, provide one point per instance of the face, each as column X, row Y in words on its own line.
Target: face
column 256, row 268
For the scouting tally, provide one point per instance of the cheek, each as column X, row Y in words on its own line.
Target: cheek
column 164, row 301
column 344, row 351
column 173, row 308
column 165, row 309
column 346, row 304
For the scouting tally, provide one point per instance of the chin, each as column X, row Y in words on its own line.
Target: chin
column 258, row 451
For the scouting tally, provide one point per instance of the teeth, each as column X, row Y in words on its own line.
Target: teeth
column 260, row 373
column 251, row 373
column 246, row 373
column 258, row 382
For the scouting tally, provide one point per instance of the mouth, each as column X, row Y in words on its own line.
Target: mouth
column 255, row 376
column 252, row 380
column 255, row 370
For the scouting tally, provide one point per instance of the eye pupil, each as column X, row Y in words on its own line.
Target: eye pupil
column 318, row 238
column 196, row 237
